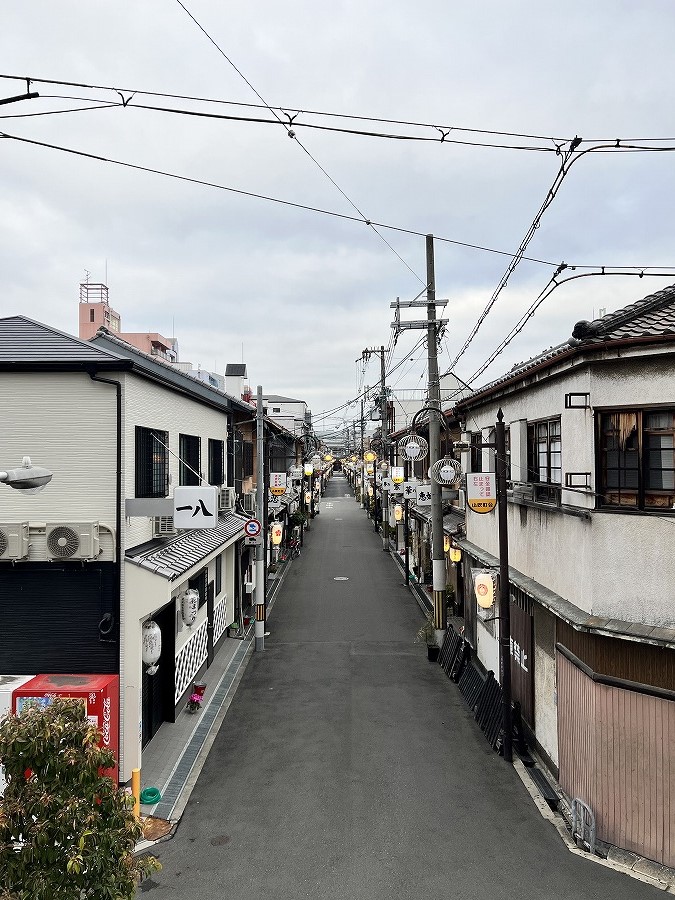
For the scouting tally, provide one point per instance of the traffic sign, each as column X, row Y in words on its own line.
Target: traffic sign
column 253, row 541
column 253, row 528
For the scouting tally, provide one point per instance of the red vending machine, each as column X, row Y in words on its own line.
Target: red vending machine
column 101, row 697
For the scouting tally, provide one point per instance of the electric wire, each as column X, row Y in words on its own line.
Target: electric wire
column 291, row 134
column 287, row 110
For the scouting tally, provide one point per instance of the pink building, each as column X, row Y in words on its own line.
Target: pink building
column 96, row 312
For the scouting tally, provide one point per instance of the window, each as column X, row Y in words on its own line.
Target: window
column 219, row 573
column 151, row 462
column 216, row 462
column 92, row 315
column 247, row 458
column 189, row 451
column 636, row 459
column 276, row 409
column 476, row 451
column 544, row 460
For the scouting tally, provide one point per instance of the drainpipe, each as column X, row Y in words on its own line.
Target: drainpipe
column 118, row 545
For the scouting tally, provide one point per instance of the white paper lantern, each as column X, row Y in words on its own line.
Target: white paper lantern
column 152, row 645
column 189, row 605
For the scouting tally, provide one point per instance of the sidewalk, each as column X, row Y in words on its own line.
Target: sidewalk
column 170, row 758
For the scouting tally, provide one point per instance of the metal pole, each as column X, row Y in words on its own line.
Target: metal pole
column 363, row 464
column 260, row 548
column 384, row 434
column 438, row 556
column 504, row 593
column 406, row 528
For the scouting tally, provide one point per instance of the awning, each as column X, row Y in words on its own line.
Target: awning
column 176, row 557
column 573, row 615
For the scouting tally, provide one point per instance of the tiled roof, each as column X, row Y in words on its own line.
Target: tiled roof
column 25, row 341
column 651, row 317
column 173, row 559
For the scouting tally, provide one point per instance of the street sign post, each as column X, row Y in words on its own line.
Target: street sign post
column 481, row 491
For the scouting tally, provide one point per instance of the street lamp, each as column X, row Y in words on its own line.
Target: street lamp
column 27, row 478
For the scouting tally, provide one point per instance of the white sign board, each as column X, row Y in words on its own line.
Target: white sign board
column 195, row 507
column 387, row 484
column 253, row 541
column 277, row 479
column 481, row 491
column 409, row 490
column 423, row 497
column 397, row 474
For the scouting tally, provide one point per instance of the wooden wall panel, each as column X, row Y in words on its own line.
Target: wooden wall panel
column 617, row 754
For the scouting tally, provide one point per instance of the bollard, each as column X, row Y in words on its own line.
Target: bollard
column 136, row 791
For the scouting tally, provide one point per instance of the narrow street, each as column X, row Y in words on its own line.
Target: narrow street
column 348, row 765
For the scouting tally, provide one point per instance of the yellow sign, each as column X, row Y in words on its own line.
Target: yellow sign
column 482, row 506
column 277, row 491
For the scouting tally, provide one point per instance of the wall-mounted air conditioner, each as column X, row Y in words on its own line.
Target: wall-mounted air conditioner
column 14, row 540
column 162, row 526
column 72, row 540
column 226, row 499
column 248, row 502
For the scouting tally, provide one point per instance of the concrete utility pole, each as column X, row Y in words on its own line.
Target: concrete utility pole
column 384, row 433
column 438, row 555
column 432, row 325
column 363, row 465
column 260, row 548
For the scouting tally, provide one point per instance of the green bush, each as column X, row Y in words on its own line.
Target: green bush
column 66, row 831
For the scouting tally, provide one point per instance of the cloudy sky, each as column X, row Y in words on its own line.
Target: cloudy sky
column 298, row 293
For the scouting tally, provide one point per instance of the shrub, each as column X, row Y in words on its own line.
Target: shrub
column 66, row 831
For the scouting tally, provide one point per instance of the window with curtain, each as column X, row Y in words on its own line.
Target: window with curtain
column 636, row 459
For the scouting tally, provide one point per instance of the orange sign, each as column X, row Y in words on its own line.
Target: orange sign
column 277, row 491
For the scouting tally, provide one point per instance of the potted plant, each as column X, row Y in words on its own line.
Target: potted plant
column 427, row 633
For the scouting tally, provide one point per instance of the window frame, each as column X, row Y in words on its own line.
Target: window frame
column 200, row 583
column 216, row 477
column 151, row 462
column 640, row 435
column 218, row 564
column 190, row 454
column 541, row 449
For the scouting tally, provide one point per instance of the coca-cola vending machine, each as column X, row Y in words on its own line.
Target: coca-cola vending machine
column 101, row 697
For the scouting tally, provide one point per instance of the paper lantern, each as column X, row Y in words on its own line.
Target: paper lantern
column 152, row 645
column 309, row 469
column 455, row 554
column 446, row 542
column 398, row 512
column 484, row 588
column 189, row 605
column 277, row 533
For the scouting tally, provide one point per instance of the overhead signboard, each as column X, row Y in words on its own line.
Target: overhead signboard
column 423, row 492
column 481, row 491
column 387, row 484
column 195, row 507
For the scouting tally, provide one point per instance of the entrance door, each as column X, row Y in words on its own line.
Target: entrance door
column 158, row 689
column 209, row 623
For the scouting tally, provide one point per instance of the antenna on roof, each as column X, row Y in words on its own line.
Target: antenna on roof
column 87, row 273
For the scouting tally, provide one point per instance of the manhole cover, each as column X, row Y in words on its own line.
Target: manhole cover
column 341, row 578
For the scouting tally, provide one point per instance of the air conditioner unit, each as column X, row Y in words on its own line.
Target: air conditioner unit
column 162, row 526
column 226, row 499
column 248, row 502
column 14, row 540
column 522, row 490
column 72, row 540
column 248, row 587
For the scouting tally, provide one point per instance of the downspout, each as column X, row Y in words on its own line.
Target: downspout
column 118, row 547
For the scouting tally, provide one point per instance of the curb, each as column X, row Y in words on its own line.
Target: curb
column 623, row 861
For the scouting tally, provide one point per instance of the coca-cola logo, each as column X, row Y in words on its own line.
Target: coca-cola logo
column 106, row 721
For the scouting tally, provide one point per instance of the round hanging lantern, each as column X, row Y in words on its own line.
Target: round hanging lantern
column 485, row 589
column 414, row 447
column 369, row 456
column 446, row 472
column 189, row 605
column 328, row 457
column 455, row 554
column 309, row 470
column 446, row 542
column 308, row 498
column 152, row 645
column 277, row 533
column 398, row 512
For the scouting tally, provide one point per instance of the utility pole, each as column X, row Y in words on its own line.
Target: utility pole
column 433, row 326
column 504, row 592
column 384, row 434
column 363, row 465
column 260, row 548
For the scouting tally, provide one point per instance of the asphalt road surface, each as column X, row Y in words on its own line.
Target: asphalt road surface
column 348, row 765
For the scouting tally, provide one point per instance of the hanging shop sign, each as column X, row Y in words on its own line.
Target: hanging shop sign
column 397, row 474
column 481, row 491
column 423, row 494
column 195, row 507
column 387, row 484
column 277, row 483
column 151, row 645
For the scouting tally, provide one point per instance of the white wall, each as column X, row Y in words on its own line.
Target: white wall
column 67, row 423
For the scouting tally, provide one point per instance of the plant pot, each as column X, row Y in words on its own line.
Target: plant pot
column 432, row 653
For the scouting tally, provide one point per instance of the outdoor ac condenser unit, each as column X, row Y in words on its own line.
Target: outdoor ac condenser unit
column 72, row 540
column 162, row 526
column 226, row 499
column 14, row 540
column 248, row 502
